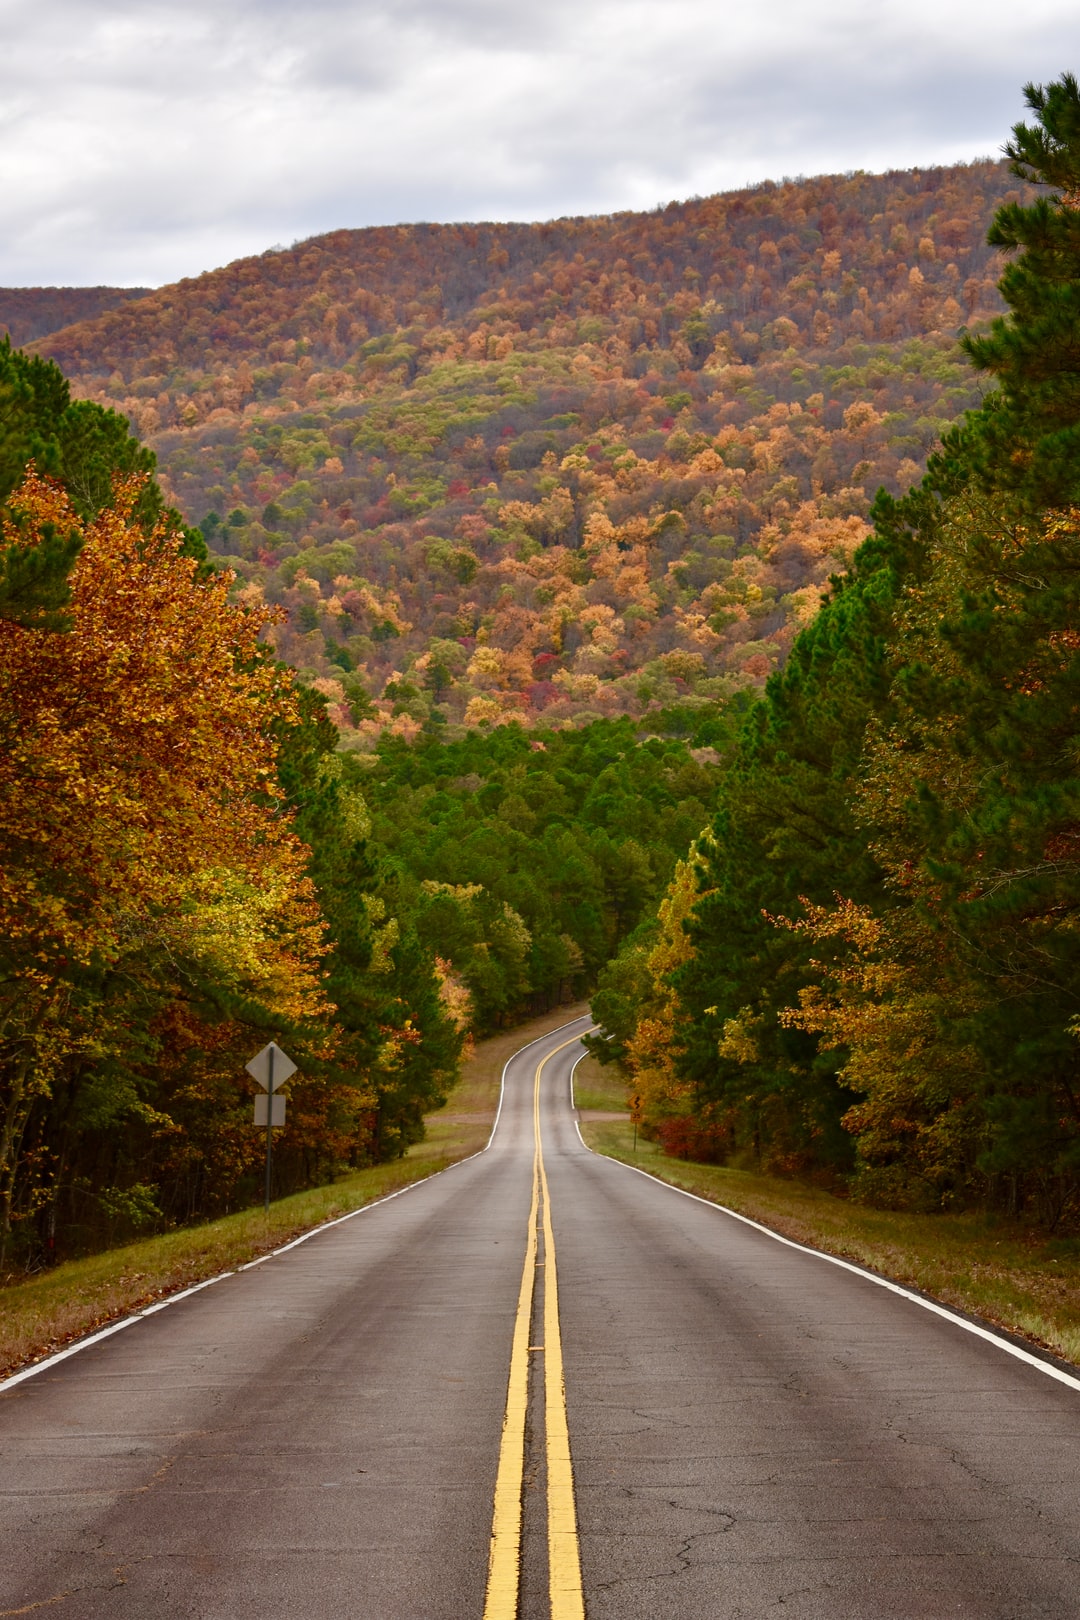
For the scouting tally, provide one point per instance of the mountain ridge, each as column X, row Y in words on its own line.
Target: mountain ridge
column 598, row 465
column 28, row 313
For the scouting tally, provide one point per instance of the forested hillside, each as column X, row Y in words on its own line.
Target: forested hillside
column 595, row 467
column 33, row 312
column 868, row 969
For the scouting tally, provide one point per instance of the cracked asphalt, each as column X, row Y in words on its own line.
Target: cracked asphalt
column 755, row 1432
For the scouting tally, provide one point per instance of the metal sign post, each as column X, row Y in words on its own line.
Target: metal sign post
column 270, row 1068
column 269, row 1124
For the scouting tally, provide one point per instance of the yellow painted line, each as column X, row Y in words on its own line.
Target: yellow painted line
column 504, row 1562
column 564, row 1555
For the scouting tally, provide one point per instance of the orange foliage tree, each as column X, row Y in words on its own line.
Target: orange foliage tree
column 154, row 907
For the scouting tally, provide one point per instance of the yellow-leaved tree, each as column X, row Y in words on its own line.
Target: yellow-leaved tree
column 661, row 1098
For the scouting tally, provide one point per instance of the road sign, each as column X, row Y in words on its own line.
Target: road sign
column 277, row 1110
column 271, row 1067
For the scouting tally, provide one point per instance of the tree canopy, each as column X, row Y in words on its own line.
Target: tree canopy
column 589, row 468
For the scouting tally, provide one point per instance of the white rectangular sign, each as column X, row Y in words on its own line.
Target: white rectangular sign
column 277, row 1117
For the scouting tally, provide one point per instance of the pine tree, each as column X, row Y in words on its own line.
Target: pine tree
column 85, row 448
column 786, row 834
column 1026, row 438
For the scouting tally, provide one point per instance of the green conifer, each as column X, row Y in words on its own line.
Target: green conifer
column 1026, row 437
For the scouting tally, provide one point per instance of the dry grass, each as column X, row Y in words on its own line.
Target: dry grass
column 1008, row 1274
column 48, row 1311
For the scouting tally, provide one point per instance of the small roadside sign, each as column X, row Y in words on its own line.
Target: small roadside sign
column 277, row 1111
column 271, row 1067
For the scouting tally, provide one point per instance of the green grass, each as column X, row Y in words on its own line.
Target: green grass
column 47, row 1311
column 599, row 1088
column 1010, row 1275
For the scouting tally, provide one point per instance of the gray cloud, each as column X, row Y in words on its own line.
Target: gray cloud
column 140, row 142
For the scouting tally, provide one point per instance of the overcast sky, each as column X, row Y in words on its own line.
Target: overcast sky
column 140, row 142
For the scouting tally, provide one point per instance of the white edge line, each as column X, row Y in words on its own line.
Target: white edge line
column 573, row 1070
column 988, row 1334
column 72, row 1349
column 183, row 1293
column 160, row 1304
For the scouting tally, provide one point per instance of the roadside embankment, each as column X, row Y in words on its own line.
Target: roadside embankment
column 1012, row 1276
column 47, row 1311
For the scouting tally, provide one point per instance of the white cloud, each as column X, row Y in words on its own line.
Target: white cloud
column 140, row 142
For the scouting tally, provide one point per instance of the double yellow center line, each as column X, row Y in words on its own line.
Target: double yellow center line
column 564, row 1557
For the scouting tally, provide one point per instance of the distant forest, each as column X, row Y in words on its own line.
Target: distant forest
column 540, row 472
column 33, row 312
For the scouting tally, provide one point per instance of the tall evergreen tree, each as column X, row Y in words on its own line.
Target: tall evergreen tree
column 785, row 833
column 85, row 447
column 1026, row 438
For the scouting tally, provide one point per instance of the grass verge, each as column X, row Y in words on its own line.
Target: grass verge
column 48, row 1311
column 1012, row 1277
column 599, row 1088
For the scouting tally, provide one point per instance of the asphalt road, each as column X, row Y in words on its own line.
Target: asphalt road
column 755, row 1432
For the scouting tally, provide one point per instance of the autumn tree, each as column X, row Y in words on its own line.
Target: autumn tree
column 148, row 860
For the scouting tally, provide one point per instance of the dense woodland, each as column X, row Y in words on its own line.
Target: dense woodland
column 868, row 968
column 32, row 312
column 420, row 627
column 548, row 472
